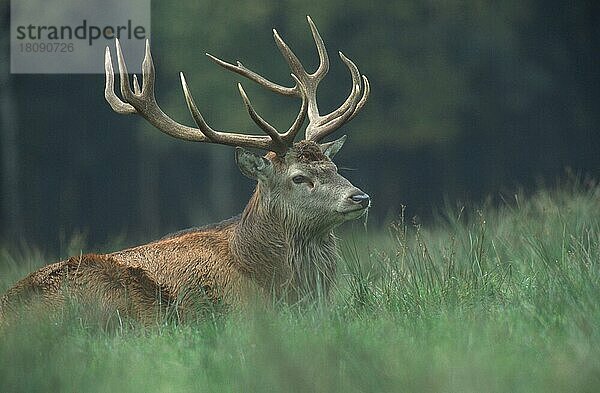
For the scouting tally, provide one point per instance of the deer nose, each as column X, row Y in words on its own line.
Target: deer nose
column 361, row 198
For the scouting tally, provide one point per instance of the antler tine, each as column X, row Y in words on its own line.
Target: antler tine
column 291, row 133
column 261, row 80
column 148, row 72
column 354, row 94
column 318, row 131
column 271, row 142
column 363, row 99
column 196, row 115
column 326, row 124
column 323, row 68
column 136, row 86
column 143, row 102
column 292, row 60
column 109, row 88
column 262, row 123
column 123, row 74
column 308, row 81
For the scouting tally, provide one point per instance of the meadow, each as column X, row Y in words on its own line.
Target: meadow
column 485, row 299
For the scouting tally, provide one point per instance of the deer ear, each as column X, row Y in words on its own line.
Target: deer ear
column 330, row 149
column 251, row 165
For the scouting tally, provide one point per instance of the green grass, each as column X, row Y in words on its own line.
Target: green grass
column 485, row 300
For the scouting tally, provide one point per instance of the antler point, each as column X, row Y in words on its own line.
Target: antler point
column 184, row 85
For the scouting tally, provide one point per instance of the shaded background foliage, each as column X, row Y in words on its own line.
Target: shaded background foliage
column 469, row 99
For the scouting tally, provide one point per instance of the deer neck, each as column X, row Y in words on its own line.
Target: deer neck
column 280, row 255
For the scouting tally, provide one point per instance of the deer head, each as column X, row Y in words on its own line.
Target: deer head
column 296, row 180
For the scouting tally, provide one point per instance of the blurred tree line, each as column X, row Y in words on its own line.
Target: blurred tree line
column 469, row 99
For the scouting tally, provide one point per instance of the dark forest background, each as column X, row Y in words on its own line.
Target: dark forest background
column 470, row 100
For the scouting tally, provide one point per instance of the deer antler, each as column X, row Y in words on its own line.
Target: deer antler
column 142, row 100
column 319, row 126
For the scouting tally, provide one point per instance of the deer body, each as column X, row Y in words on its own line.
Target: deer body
column 282, row 245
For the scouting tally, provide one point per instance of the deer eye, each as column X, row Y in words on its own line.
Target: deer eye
column 299, row 179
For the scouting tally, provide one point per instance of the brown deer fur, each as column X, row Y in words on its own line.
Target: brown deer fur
column 95, row 280
column 271, row 249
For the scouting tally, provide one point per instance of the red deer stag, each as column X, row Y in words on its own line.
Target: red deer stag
column 281, row 245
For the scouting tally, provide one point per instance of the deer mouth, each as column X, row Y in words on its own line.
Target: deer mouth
column 355, row 212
